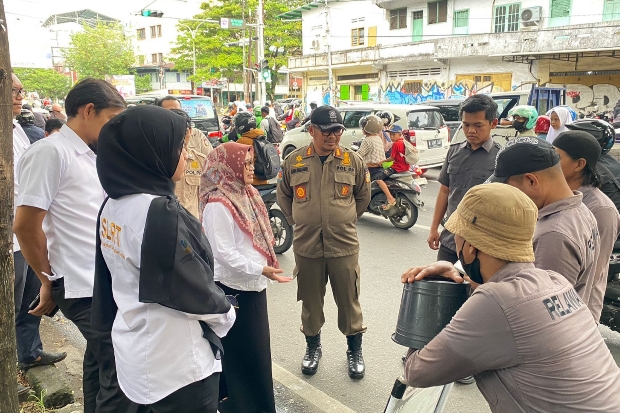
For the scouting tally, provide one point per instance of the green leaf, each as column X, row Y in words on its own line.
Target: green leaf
column 46, row 82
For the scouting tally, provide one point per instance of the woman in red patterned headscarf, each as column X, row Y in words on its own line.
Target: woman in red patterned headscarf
column 237, row 226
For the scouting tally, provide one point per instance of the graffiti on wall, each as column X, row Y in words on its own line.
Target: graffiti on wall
column 600, row 97
column 401, row 92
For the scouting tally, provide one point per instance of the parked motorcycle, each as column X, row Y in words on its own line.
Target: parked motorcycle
column 402, row 187
column 282, row 230
column 610, row 315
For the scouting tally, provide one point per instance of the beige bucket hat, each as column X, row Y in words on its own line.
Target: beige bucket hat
column 497, row 219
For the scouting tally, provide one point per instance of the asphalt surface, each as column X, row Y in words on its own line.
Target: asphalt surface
column 386, row 252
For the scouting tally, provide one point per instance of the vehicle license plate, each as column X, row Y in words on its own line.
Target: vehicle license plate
column 434, row 143
column 420, row 181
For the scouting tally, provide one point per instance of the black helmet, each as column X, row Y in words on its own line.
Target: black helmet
column 604, row 133
column 388, row 117
column 25, row 118
column 244, row 122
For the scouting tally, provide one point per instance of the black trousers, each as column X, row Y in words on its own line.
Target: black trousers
column 27, row 286
column 446, row 254
column 198, row 397
column 102, row 393
column 246, row 365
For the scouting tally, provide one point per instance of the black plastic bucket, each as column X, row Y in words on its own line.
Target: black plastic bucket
column 427, row 306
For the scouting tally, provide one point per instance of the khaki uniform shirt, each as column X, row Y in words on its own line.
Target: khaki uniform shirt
column 530, row 342
column 462, row 170
column 324, row 201
column 187, row 188
column 608, row 223
column 566, row 240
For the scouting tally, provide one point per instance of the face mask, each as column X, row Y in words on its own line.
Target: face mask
column 518, row 125
column 473, row 268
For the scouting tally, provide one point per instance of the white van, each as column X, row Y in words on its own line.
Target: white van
column 426, row 127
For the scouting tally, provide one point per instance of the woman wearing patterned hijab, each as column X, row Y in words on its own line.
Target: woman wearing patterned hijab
column 237, row 226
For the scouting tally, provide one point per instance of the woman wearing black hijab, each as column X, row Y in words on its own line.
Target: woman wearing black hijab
column 154, row 287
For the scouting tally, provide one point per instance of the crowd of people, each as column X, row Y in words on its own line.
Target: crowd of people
column 159, row 249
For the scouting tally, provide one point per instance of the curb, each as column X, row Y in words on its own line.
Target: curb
column 70, row 408
column 50, row 382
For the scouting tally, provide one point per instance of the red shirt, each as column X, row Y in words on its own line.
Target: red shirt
column 398, row 154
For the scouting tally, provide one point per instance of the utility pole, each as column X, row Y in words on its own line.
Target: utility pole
column 244, row 72
column 261, row 50
column 8, row 371
column 330, row 74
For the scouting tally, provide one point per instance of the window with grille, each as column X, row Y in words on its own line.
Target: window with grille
column 507, row 18
column 141, row 34
column 438, row 12
column 560, row 13
column 159, row 30
column 154, row 57
column 461, row 18
column 357, row 37
column 153, row 32
column 398, row 19
column 611, row 10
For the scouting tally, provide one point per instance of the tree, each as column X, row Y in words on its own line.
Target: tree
column 143, row 83
column 8, row 371
column 100, row 50
column 215, row 59
column 46, row 82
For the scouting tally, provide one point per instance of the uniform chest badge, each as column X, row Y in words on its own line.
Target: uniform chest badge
column 338, row 153
column 346, row 159
column 299, row 163
column 345, row 190
column 300, row 192
column 194, row 165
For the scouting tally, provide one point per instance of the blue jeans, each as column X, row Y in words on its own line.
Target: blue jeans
column 27, row 286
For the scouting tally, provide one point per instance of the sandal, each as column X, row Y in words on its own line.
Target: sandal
column 389, row 205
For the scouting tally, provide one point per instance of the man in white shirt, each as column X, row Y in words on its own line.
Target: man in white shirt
column 29, row 347
column 264, row 123
column 57, row 205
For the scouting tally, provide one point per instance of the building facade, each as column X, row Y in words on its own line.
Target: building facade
column 409, row 51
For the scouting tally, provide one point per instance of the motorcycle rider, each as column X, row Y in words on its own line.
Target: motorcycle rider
column 579, row 153
column 372, row 152
column 566, row 238
column 543, row 123
column 388, row 120
column 607, row 166
column 397, row 157
column 523, row 333
column 245, row 124
column 524, row 119
column 26, row 120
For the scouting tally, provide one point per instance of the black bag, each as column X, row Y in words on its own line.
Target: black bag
column 267, row 164
column 275, row 133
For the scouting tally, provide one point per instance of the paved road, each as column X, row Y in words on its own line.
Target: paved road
column 385, row 253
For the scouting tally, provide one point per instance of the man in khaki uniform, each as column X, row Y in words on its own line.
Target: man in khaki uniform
column 198, row 148
column 323, row 189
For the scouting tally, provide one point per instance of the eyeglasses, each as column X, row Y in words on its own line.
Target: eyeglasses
column 249, row 165
column 16, row 92
column 336, row 131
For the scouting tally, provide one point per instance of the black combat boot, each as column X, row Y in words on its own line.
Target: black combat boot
column 310, row 363
column 354, row 356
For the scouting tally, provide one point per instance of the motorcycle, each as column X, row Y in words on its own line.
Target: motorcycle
column 402, row 187
column 282, row 230
column 610, row 316
column 405, row 187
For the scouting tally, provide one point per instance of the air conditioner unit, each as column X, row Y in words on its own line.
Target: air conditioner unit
column 316, row 45
column 531, row 16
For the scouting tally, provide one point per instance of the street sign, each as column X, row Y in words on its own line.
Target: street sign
column 237, row 23
column 224, row 22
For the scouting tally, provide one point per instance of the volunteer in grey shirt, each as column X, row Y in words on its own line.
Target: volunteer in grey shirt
column 467, row 164
column 525, row 334
column 579, row 153
column 566, row 239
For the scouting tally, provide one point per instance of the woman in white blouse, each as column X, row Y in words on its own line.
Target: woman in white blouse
column 154, row 287
column 237, row 226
